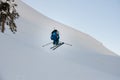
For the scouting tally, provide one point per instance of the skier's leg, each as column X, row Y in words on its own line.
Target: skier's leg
column 57, row 42
column 54, row 42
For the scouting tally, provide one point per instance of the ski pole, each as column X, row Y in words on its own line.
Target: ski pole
column 46, row 44
column 67, row 44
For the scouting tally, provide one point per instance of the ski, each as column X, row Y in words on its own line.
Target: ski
column 55, row 47
column 67, row 43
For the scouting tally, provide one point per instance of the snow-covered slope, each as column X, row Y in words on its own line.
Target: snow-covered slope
column 22, row 56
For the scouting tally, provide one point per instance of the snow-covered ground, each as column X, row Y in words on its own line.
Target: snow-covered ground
column 22, row 56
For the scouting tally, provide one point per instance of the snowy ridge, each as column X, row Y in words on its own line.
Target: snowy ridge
column 39, row 21
column 22, row 56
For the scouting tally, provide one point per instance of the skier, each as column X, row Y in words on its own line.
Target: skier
column 55, row 37
column 56, row 43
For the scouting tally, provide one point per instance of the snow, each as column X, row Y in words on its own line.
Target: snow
column 22, row 56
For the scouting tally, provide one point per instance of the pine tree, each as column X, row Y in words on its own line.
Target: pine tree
column 8, row 15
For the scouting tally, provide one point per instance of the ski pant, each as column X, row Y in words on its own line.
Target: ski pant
column 55, row 42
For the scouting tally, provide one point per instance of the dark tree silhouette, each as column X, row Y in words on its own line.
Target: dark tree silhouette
column 8, row 15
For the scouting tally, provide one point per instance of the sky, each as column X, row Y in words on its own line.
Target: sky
column 98, row 18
